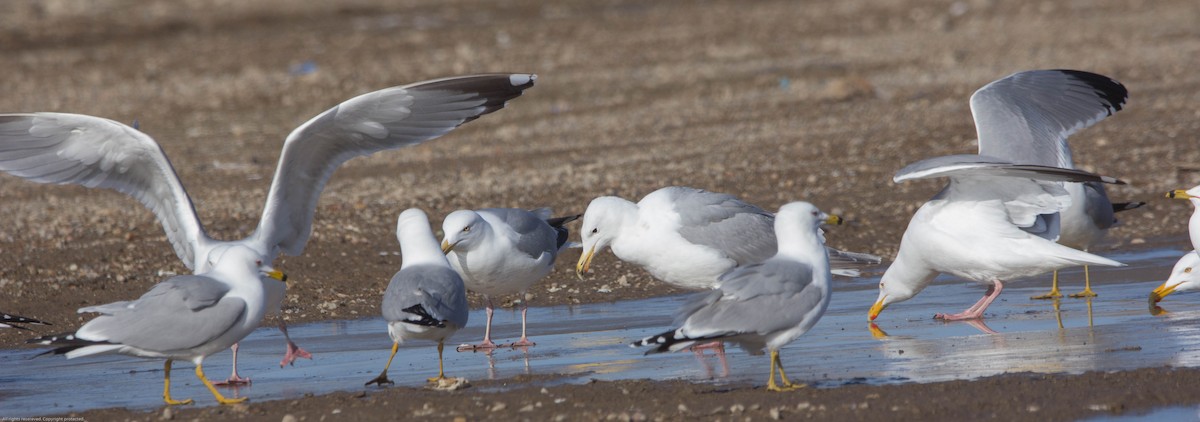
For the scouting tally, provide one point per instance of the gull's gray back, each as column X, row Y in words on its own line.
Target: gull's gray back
column 180, row 313
column 535, row 236
column 761, row 298
column 1097, row 205
column 438, row 289
column 744, row 232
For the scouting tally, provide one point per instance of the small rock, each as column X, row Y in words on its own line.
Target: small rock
column 167, row 414
column 360, row 394
column 803, row 405
column 336, row 411
column 289, row 418
column 774, row 413
column 737, row 408
column 1032, row 408
column 498, row 406
column 683, row 408
column 526, row 408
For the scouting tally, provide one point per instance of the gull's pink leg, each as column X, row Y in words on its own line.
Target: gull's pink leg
column 293, row 351
column 234, row 379
column 976, row 311
column 524, row 341
column 487, row 343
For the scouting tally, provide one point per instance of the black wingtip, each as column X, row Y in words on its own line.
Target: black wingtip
column 1112, row 93
column 1126, row 206
column 425, row 320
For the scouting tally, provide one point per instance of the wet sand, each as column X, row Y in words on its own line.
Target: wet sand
column 773, row 102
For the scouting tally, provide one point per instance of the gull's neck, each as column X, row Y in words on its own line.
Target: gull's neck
column 417, row 244
column 800, row 242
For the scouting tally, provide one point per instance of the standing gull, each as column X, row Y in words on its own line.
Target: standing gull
column 426, row 299
column 186, row 317
column 1026, row 117
column 95, row 152
column 1000, row 214
column 689, row 237
column 994, row 221
column 768, row 304
column 500, row 251
column 1186, row 273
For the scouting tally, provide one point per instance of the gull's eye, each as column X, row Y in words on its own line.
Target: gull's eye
column 1187, row 270
column 258, row 262
column 596, row 230
column 814, row 213
column 881, row 285
column 466, row 229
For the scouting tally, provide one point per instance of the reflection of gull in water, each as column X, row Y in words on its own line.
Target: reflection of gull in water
column 998, row 217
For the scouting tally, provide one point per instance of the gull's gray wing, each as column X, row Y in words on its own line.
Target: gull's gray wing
column 1026, row 117
column 533, row 235
column 744, row 232
column 972, row 164
column 1097, row 205
column 437, row 290
column 180, row 313
column 385, row 119
column 90, row 151
column 760, row 298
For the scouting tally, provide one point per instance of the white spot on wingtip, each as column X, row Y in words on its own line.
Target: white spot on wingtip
column 519, row 79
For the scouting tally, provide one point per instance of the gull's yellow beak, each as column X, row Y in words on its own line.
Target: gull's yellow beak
column 278, row 275
column 447, row 246
column 585, row 262
column 876, row 309
column 1162, row 291
column 1179, row 194
column 834, row 220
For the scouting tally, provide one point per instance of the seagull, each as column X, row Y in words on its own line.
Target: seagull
column 1085, row 223
column 767, row 304
column 689, row 237
column 14, row 321
column 95, row 152
column 185, row 317
column 1026, row 117
column 426, row 299
column 500, row 251
column 1186, row 273
column 1001, row 208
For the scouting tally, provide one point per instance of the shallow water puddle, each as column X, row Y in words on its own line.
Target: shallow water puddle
column 1111, row 332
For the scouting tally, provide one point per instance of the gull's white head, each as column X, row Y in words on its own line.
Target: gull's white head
column 603, row 221
column 902, row 280
column 237, row 260
column 463, row 230
column 1193, row 196
column 797, row 218
column 1185, row 276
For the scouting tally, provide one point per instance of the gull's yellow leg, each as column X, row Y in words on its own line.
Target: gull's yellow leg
column 1087, row 285
column 441, row 375
column 1054, row 293
column 220, row 398
column 786, row 384
column 167, row 386
column 382, row 378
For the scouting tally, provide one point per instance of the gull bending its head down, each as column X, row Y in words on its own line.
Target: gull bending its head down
column 94, row 152
column 689, row 237
column 1186, row 273
column 999, row 216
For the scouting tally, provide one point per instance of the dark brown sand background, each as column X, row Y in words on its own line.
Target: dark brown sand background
column 772, row 101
